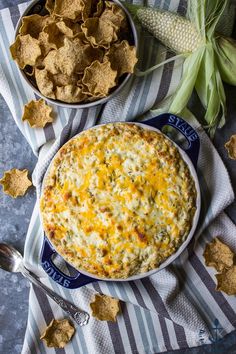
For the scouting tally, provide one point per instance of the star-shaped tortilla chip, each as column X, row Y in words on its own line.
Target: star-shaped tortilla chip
column 70, row 94
column 15, row 182
column 122, row 57
column 218, row 255
column 81, row 56
column 113, row 14
column 98, row 32
column 231, row 147
column 44, row 83
column 226, row 281
column 69, row 9
column 99, row 78
column 58, row 333
column 34, row 24
column 105, row 308
column 37, row 113
column 25, row 50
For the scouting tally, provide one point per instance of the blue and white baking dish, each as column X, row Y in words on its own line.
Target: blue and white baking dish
column 190, row 156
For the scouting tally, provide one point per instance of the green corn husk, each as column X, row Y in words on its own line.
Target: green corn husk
column 225, row 52
column 209, row 58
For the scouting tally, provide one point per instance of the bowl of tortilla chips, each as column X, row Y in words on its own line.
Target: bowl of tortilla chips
column 75, row 53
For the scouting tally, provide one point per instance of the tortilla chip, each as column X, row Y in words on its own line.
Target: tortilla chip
column 218, row 255
column 81, row 37
column 25, row 50
column 70, row 94
column 75, row 56
column 63, row 80
column 226, row 281
column 99, row 78
column 44, row 44
column 55, row 37
column 33, row 25
column 58, row 333
column 37, row 113
column 15, row 182
column 69, row 9
column 231, row 147
column 44, row 83
column 87, row 57
column 122, row 57
column 98, row 32
column 50, row 4
column 114, row 14
column 69, row 28
column 105, row 308
column 50, row 62
column 39, row 63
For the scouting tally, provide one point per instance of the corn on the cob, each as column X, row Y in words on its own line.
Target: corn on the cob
column 176, row 32
column 209, row 56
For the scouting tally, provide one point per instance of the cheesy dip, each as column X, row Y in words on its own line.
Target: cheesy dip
column 118, row 200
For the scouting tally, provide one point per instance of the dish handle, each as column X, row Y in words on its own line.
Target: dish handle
column 56, row 274
column 184, row 128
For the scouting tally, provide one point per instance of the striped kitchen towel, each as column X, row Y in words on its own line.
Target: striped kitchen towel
column 177, row 307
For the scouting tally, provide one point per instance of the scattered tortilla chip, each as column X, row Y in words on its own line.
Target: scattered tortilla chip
column 34, row 24
column 231, row 147
column 226, row 281
column 69, row 28
column 15, row 182
column 99, row 78
column 114, row 14
column 218, row 255
column 105, row 308
column 37, row 113
column 55, row 36
column 98, row 32
column 44, row 83
column 69, row 9
column 70, row 94
column 25, row 50
column 50, row 4
column 122, row 57
column 50, row 62
column 58, row 333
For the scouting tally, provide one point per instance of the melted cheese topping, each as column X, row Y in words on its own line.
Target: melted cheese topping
column 118, row 200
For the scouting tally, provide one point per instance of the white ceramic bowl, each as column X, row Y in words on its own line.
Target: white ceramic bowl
column 35, row 7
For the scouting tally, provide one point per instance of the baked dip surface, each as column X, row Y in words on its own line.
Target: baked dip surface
column 118, row 200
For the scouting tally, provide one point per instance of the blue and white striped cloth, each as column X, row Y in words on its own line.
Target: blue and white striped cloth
column 177, row 307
